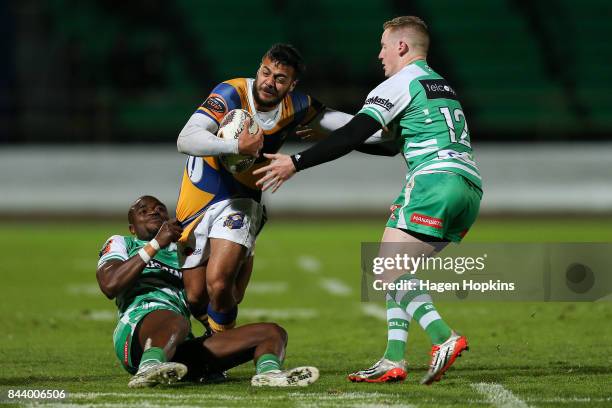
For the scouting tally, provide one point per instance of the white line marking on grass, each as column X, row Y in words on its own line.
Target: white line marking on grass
column 374, row 310
column 100, row 315
column 304, row 398
column 258, row 314
column 309, row 264
column 499, row 396
column 335, row 287
column 267, row 287
column 90, row 289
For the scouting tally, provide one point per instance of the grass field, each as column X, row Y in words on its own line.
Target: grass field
column 57, row 327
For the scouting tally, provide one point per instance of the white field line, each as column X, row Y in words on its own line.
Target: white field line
column 309, row 264
column 499, row 396
column 90, row 289
column 267, row 287
column 364, row 397
column 257, row 314
column 100, row 315
column 304, row 399
column 335, row 287
column 374, row 310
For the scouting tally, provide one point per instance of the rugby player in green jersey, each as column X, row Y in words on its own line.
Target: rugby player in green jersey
column 153, row 339
column 423, row 119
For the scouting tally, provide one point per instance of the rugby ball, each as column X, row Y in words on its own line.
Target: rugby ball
column 230, row 128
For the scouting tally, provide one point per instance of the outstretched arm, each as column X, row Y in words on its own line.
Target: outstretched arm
column 388, row 148
column 340, row 143
column 330, row 120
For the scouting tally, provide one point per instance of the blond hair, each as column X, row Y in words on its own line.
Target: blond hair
column 413, row 23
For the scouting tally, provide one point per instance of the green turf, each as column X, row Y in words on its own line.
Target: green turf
column 57, row 329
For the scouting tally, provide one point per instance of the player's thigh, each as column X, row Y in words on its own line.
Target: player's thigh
column 162, row 328
column 243, row 278
column 126, row 338
column 194, row 280
column 396, row 242
column 226, row 257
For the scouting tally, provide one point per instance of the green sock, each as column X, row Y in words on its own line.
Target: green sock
column 397, row 331
column 152, row 355
column 267, row 362
column 418, row 304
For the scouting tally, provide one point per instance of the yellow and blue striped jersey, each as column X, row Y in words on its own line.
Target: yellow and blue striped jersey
column 205, row 180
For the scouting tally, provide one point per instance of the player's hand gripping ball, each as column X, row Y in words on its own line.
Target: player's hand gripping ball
column 230, row 128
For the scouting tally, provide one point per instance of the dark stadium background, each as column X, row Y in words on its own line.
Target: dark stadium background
column 132, row 71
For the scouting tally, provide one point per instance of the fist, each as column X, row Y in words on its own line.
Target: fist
column 170, row 231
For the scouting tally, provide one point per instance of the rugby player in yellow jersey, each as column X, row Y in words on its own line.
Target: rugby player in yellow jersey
column 221, row 213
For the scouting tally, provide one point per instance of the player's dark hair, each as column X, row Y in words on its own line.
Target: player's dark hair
column 287, row 54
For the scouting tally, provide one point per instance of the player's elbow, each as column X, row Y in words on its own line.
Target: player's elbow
column 181, row 144
column 109, row 288
column 109, row 291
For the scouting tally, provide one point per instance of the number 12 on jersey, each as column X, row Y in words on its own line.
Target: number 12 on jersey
column 458, row 116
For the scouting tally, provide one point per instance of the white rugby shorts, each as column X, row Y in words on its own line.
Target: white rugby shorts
column 238, row 220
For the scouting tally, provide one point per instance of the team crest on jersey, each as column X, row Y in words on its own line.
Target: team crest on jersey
column 107, row 247
column 234, row 220
column 215, row 103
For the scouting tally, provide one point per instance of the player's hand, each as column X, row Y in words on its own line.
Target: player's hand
column 170, row 231
column 249, row 144
column 276, row 173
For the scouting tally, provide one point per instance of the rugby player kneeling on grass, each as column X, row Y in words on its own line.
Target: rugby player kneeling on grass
column 153, row 337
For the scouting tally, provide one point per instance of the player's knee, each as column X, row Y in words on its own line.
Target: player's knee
column 219, row 288
column 180, row 327
column 277, row 332
column 196, row 298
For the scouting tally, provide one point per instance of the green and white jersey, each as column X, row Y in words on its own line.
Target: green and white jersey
column 422, row 113
column 161, row 279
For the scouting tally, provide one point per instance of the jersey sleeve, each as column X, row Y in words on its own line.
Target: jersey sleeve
column 387, row 100
column 305, row 107
column 314, row 108
column 114, row 248
column 223, row 98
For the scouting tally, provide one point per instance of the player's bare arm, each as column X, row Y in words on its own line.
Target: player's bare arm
column 146, row 215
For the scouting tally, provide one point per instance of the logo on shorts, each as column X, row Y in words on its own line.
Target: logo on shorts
column 234, row 220
column 392, row 209
column 427, row 221
column 126, row 351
